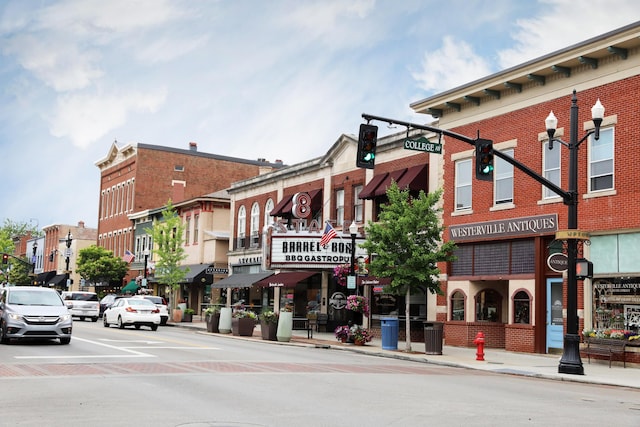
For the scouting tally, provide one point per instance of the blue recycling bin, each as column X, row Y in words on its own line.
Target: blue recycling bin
column 389, row 333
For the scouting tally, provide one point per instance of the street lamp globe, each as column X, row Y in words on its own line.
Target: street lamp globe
column 353, row 228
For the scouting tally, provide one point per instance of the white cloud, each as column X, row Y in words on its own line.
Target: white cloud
column 454, row 64
column 87, row 118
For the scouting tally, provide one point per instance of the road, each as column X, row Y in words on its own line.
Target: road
column 179, row 377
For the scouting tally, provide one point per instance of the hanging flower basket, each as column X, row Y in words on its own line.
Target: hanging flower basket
column 358, row 304
column 340, row 274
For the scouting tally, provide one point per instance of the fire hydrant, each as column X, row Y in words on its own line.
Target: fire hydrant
column 479, row 342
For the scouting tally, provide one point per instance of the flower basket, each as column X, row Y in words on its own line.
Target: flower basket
column 243, row 322
column 360, row 335
column 269, row 325
column 342, row 333
column 340, row 274
column 212, row 318
column 358, row 304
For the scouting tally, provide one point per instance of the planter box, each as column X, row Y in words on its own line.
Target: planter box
column 269, row 331
column 187, row 317
column 213, row 321
column 242, row 326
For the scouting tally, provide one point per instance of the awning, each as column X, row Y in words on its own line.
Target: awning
column 378, row 185
column 131, row 287
column 58, row 280
column 283, row 208
column 415, row 179
column 279, row 208
column 241, row 280
column 44, row 278
column 287, row 279
column 195, row 273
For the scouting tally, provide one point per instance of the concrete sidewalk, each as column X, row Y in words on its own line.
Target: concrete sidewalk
column 495, row 360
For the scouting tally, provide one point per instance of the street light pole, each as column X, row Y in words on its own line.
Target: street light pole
column 570, row 363
column 68, row 255
column 146, row 260
column 33, row 258
column 353, row 230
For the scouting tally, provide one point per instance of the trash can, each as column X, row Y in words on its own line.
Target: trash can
column 389, row 333
column 433, row 337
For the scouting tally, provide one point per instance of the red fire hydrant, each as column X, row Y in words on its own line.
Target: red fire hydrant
column 479, row 342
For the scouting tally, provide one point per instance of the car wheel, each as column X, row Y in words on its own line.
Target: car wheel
column 94, row 319
column 137, row 326
column 154, row 327
column 81, row 319
column 3, row 335
column 120, row 324
column 104, row 321
column 65, row 340
column 163, row 322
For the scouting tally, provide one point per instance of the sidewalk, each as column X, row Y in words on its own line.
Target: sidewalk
column 495, row 360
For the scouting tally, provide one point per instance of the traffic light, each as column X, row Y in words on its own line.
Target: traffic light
column 484, row 159
column 5, row 258
column 367, row 146
column 584, row 269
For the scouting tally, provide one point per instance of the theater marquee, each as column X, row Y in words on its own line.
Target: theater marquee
column 304, row 251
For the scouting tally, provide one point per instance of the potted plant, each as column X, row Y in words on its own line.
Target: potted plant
column 243, row 322
column 176, row 315
column 285, row 324
column 269, row 325
column 188, row 314
column 212, row 318
column 343, row 333
column 360, row 335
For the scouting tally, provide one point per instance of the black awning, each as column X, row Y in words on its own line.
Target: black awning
column 57, row 280
column 241, row 280
column 44, row 278
column 195, row 272
column 287, row 279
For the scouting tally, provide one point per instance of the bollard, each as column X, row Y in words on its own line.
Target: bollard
column 479, row 342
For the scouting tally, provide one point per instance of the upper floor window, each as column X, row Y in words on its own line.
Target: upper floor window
column 242, row 221
column 463, row 182
column 255, row 224
column 268, row 207
column 187, row 230
column 551, row 168
column 339, row 207
column 358, row 205
column 601, row 161
column 196, row 227
column 503, row 176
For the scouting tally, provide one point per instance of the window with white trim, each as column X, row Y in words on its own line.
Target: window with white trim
column 268, row 207
column 255, row 224
column 551, row 169
column 601, row 161
column 339, row 207
column 503, row 177
column 463, row 184
column 358, row 205
column 242, row 226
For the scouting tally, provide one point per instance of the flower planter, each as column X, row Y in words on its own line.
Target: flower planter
column 269, row 331
column 242, row 326
column 187, row 317
column 213, row 321
column 176, row 315
column 285, row 326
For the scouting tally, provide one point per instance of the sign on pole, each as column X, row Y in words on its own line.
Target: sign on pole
column 423, row 144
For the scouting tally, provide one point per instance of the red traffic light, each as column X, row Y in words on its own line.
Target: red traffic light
column 584, row 269
column 5, row 258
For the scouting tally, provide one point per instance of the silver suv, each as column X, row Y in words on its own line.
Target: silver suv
column 82, row 304
column 33, row 312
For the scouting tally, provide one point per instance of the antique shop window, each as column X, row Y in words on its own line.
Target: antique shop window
column 488, row 304
column 521, row 307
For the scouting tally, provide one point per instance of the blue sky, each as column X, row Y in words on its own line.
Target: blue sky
column 280, row 79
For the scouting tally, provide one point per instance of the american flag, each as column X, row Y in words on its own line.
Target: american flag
column 329, row 233
column 128, row 256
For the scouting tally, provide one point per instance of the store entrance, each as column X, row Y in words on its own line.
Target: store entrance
column 554, row 315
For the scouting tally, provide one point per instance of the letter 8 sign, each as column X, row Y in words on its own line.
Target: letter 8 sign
column 301, row 205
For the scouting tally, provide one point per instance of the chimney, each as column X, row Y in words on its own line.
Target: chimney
column 193, row 146
column 80, row 224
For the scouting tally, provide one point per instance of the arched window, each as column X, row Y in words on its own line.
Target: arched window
column 488, row 303
column 242, row 227
column 521, row 307
column 457, row 306
column 268, row 207
column 255, row 225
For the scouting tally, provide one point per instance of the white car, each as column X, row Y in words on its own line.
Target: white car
column 160, row 303
column 82, row 304
column 132, row 312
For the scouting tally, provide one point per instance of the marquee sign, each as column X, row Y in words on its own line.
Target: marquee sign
column 304, row 251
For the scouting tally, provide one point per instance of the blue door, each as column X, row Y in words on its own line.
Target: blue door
column 554, row 314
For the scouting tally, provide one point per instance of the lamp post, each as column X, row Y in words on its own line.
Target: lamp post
column 33, row 258
column 353, row 230
column 570, row 362
column 68, row 256
column 146, row 259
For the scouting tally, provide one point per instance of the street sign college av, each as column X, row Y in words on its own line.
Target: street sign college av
column 422, row 144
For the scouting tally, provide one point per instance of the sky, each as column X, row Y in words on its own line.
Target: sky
column 278, row 79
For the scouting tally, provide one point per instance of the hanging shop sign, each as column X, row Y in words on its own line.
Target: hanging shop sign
column 558, row 262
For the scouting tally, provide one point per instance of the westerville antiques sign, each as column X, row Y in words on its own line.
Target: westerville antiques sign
column 513, row 227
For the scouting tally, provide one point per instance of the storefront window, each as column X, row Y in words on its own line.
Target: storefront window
column 457, row 306
column 616, row 304
column 521, row 307
column 488, row 304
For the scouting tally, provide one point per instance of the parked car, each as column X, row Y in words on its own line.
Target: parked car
column 82, row 304
column 106, row 302
column 132, row 311
column 160, row 303
column 33, row 312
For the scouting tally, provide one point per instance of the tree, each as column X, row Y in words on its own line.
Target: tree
column 168, row 238
column 19, row 271
column 96, row 264
column 406, row 244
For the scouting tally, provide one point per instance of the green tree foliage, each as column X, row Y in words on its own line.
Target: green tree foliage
column 15, row 272
column 407, row 243
column 168, row 238
column 20, row 272
column 96, row 264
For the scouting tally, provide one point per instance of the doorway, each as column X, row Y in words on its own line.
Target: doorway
column 555, row 324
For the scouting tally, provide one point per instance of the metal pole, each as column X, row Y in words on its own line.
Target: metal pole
column 68, row 285
column 570, row 363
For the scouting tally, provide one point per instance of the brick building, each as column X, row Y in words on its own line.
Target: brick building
column 505, row 229
column 138, row 177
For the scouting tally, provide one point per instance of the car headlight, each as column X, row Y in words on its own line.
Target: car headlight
column 65, row 317
column 15, row 316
